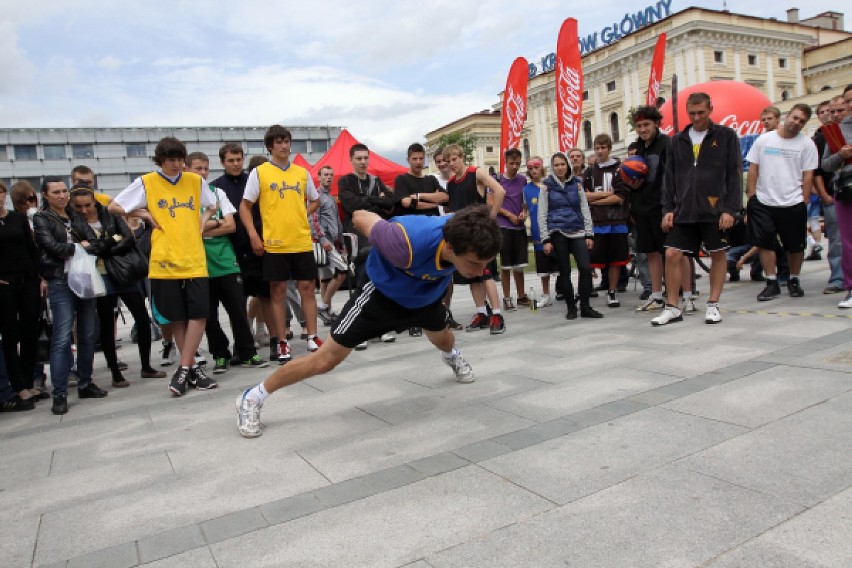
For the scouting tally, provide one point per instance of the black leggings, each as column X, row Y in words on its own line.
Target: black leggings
column 563, row 248
column 20, row 306
column 106, row 316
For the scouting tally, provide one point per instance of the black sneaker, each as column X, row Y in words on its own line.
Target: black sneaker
column 199, row 379
column 273, row 348
column 589, row 312
column 772, row 290
column 415, row 331
column 794, row 288
column 452, row 323
column 327, row 316
column 571, row 314
column 497, row 324
column 178, row 382
column 60, row 404
column 91, row 391
column 479, row 321
column 645, row 295
column 17, row 404
column 221, row 366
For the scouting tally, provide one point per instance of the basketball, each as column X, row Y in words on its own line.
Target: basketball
column 634, row 168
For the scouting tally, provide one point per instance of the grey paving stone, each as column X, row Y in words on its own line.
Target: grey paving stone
column 805, row 457
column 483, row 450
column 520, row 439
column 763, row 397
column 653, row 398
column 622, row 407
column 389, row 529
column 196, row 558
column 235, row 524
column 437, row 464
column 667, row 517
column 817, row 538
column 555, row 428
column 391, row 478
column 120, row 556
column 344, row 492
column 18, row 532
column 570, row 467
column 284, row 510
column 62, row 564
column 169, row 543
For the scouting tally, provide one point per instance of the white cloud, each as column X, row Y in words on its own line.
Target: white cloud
column 110, row 63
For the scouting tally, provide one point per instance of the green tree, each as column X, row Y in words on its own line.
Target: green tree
column 463, row 139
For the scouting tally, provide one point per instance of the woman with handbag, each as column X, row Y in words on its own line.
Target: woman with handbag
column 123, row 267
column 58, row 231
column 19, row 300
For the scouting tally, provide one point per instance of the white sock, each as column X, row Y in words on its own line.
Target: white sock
column 258, row 394
column 771, row 278
column 687, row 294
column 321, row 306
column 450, row 354
column 495, row 312
column 656, row 295
column 481, row 310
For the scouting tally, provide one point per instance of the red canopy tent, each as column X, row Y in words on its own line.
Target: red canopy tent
column 300, row 160
column 338, row 158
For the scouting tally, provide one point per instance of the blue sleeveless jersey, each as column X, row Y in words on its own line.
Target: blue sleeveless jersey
column 424, row 280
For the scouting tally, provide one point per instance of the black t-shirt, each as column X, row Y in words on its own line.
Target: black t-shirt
column 18, row 253
column 406, row 185
column 464, row 191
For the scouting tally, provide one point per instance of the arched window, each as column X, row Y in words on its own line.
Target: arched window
column 785, row 95
column 587, row 133
column 613, row 127
column 526, row 149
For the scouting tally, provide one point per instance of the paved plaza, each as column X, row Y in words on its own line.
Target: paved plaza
column 587, row 443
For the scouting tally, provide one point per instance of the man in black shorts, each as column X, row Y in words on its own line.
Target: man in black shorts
column 511, row 218
column 409, row 268
column 702, row 192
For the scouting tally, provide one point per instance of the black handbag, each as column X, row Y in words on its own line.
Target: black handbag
column 45, row 332
column 128, row 268
column 843, row 186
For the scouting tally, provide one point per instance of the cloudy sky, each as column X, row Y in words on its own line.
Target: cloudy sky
column 390, row 71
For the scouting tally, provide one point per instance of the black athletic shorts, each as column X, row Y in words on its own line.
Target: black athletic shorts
column 490, row 273
column 181, row 300
column 687, row 237
column 649, row 233
column 255, row 286
column 513, row 249
column 370, row 314
column 611, row 249
column 788, row 223
column 278, row 267
column 546, row 264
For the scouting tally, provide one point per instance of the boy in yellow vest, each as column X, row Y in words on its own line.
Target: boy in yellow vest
column 171, row 201
column 280, row 188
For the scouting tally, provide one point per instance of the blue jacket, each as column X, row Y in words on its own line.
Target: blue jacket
column 563, row 208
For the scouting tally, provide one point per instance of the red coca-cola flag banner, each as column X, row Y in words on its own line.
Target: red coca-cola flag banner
column 735, row 104
column 656, row 75
column 569, row 85
column 514, row 106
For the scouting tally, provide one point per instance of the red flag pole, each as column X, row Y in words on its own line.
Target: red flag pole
column 657, row 64
column 514, row 106
column 569, row 85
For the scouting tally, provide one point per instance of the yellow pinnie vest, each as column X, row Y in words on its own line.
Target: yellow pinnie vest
column 282, row 208
column 177, row 251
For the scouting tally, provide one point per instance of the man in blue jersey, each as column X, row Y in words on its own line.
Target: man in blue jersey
column 409, row 268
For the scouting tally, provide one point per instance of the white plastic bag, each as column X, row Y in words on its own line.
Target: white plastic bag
column 83, row 277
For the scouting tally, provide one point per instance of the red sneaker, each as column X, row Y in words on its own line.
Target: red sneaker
column 314, row 343
column 497, row 324
column 479, row 321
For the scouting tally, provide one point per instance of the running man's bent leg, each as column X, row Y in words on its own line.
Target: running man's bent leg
column 329, row 356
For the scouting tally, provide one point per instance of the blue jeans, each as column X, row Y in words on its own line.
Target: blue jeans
column 65, row 304
column 832, row 232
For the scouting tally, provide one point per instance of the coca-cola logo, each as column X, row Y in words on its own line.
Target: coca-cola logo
column 653, row 88
column 742, row 128
column 568, row 97
column 516, row 114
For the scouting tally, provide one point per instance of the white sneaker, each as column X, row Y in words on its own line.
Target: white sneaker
column 612, row 299
column 651, row 305
column 388, row 338
column 248, row 417
column 545, row 301
column 168, row 353
column 712, row 315
column 464, row 374
column 361, row 346
column 670, row 314
column 689, row 306
column 847, row 301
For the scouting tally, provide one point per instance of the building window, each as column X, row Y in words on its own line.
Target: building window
column 610, row 86
column 256, row 147
column 752, row 60
column 526, row 149
column 4, row 156
column 134, row 177
column 25, row 152
column 319, row 146
column 613, row 126
column 782, row 62
column 136, row 151
column 35, row 182
column 785, row 95
column 587, row 134
column 82, row 151
column 586, row 95
column 54, row 151
column 489, row 149
column 718, row 57
column 300, row 146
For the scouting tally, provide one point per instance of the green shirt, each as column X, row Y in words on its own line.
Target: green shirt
column 221, row 258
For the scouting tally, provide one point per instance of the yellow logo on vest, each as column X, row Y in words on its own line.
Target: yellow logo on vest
column 175, row 204
column 284, row 187
column 713, row 200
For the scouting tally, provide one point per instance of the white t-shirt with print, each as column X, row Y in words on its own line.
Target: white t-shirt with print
column 782, row 162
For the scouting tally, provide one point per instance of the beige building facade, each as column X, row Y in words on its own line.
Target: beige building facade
column 790, row 61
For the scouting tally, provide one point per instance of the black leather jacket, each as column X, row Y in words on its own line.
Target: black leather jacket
column 113, row 225
column 51, row 237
